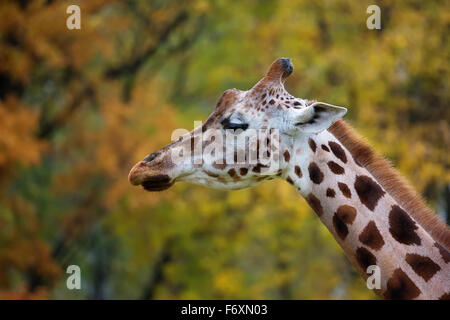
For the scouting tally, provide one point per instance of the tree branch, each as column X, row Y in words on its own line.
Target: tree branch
column 49, row 127
column 157, row 276
column 133, row 66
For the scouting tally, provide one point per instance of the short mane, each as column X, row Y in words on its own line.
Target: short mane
column 397, row 186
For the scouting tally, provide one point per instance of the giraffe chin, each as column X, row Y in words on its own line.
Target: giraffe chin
column 157, row 183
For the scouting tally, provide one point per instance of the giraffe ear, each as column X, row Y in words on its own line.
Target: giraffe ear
column 318, row 116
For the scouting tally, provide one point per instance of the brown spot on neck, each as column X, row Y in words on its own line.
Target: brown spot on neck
column 401, row 287
column 369, row 192
column 289, row 180
column 312, row 145
column 331, row 193
column 298, row 171
column 445, row 296
column 445, row 254
column 335, row 168
column 402, row 227
column 344, row 215
column 338, row 151
column 344, row 189
column 315, row 204
column 371, row 236
column 315, row 174
column 286, row 156
column 340, row 227
column 423, row 266
column 325, row 148
column 365, row 258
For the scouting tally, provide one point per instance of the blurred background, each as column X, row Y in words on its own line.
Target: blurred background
column 79, row 107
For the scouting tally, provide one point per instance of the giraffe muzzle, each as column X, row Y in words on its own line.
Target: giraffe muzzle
column 141, row 174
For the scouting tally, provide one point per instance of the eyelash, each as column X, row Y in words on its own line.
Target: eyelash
column 226, row 124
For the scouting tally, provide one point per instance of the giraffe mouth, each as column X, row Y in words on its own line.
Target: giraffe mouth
column 157, row 183
column 140, row 175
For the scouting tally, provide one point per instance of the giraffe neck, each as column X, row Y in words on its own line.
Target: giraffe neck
column 368, row 223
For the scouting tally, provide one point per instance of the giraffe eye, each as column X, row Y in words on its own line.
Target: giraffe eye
column 227, row 124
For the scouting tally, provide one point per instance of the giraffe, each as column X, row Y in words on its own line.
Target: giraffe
column 372, row 212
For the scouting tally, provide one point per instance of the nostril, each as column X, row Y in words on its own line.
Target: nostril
column 151, row 157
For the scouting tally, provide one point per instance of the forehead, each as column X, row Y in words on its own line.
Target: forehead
column 229, row 99
column 264, row 99
column 228, row 103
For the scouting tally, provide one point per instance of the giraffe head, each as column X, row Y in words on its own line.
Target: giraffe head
column 248, row 138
